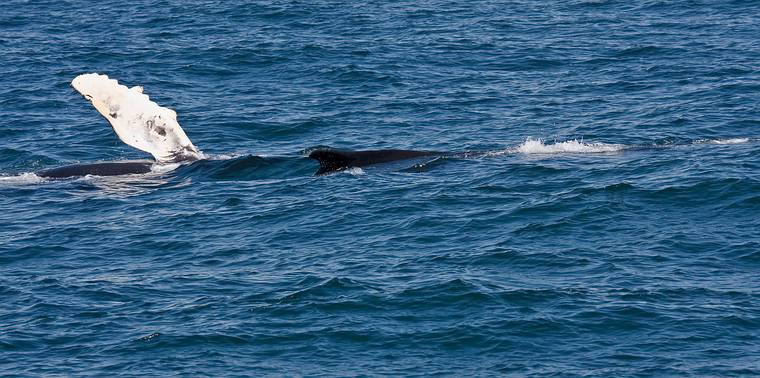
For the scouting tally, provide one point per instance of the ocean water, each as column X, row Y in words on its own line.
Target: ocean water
column 606, row 224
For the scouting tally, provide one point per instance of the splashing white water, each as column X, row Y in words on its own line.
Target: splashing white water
column 722, row 141
column 229, row 156
column 355, row 171
column 22, row 179
column 537, row 146
column 163, row 168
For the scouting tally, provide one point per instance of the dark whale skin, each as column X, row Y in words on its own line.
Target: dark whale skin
column 97, row 169
column 332, row 160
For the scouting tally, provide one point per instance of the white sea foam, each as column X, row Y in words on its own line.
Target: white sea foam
column 537, row 146
column 22, row 179
column 722, row 141
column 229, row 156
column 163, row 168
column 355, row 171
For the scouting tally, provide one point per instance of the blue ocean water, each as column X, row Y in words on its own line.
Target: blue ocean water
column 610, row 229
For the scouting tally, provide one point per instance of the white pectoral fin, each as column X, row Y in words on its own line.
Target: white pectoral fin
column 137, row 121
column 101, row 107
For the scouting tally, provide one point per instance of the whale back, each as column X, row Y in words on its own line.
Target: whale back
column 137, row 121
column 98, row 169
column 331, row 160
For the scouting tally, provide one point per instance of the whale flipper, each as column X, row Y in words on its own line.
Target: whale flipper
column 137, row 121
column 331, row 160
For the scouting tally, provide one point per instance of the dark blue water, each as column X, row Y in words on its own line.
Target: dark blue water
column 611, row 229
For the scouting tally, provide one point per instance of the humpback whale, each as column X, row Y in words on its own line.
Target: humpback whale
column 146, row 126
column 137, row 121
column 115, row 168
column 331, row 160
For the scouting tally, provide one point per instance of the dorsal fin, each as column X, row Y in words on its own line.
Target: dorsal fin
column 137, row 121
column 331, row 160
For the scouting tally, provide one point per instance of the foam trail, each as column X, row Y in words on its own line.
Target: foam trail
column 722, row 141
column 537, row 146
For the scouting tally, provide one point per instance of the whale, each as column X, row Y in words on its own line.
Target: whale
column 334, row 160
column 137, row 121
column 149, row 127
column 98, row 169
